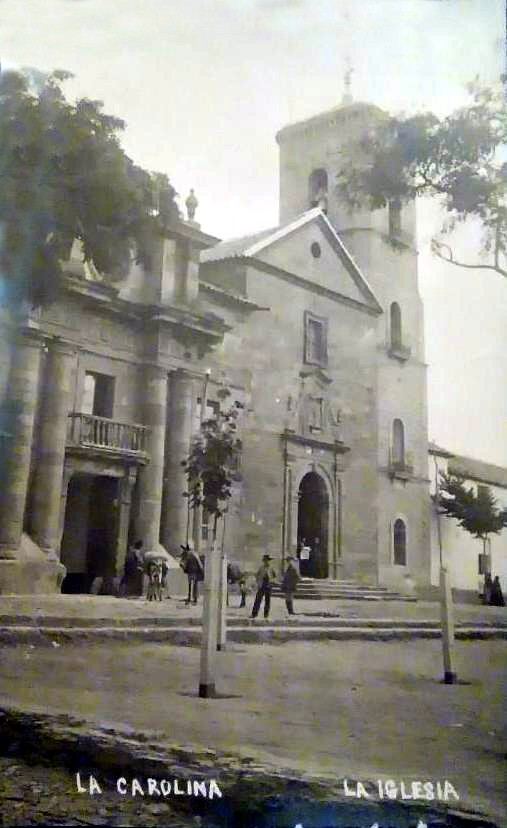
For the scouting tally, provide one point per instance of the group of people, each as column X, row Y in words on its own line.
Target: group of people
column 493, row 594
column 139, row 564
column 266, row 578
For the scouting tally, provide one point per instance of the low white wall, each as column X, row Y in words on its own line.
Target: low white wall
column 460, row 551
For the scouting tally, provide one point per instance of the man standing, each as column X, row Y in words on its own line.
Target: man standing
column 192, row 568
column 266, row 576
column 289, row 584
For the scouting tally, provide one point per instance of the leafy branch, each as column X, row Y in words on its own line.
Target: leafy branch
column 65, row 177
column 457, row 160
column 212, row 464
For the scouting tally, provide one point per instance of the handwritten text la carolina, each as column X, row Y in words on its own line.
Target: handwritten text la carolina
column 206, row 788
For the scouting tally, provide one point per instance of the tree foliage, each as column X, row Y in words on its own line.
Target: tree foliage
column 477, row 513
column 65, row 176
column 212, row 463
column 456, row 159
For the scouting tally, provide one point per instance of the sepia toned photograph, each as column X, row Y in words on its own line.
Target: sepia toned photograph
column 253, row 413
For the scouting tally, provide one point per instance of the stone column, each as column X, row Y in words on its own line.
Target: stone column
column 68, row 471
column 50, row 452
column 22, row 388
column 152, row 475
column 179, row 434
column 125, row 500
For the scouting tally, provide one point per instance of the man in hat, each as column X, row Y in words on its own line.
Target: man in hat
column 265, row 576
column 289, row 584
column 192, row 568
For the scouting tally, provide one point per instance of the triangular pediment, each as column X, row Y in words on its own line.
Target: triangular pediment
column 311, row 250
column 308, row 250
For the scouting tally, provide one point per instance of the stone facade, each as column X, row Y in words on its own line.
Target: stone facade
column 100, row 393
column 316, row 327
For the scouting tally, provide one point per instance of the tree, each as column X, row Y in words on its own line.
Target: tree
column 211, row 468
column 456, row 160
column 477, row 513
column 64, row 177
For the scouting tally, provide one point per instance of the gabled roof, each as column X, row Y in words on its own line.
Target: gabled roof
column 478, row 470
column 246, row 247
column 470, row 468
column 250, row 247
column 434, row 448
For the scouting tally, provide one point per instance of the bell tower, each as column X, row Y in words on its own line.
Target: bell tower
column 312, row 152
column 382, row 243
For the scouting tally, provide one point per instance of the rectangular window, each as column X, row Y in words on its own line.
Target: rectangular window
column 98, row 395
column 315, row 339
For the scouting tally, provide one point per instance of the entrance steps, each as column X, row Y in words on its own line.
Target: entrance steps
column 334, row 589
column 186, row 632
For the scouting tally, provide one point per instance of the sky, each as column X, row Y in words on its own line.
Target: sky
column 204, row 85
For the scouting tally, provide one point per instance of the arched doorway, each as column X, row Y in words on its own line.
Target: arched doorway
column 313, row 512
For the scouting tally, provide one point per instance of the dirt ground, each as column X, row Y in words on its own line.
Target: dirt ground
column 360, row 710
column 105, row 607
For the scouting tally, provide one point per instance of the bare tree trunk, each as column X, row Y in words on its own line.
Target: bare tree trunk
column 209, row 619
column 223, row 601
column 446, row 606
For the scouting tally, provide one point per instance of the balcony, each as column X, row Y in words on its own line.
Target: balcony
column 86, row 431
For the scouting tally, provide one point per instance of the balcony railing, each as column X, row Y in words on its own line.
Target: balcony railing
column 89, row 431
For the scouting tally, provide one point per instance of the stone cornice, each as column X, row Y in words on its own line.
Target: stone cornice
column 232, row 298
column 205, row 324
column 185, row 230
column 107, row 299
column 337, row 446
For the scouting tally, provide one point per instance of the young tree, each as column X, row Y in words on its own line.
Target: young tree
column 457, row 160
column 477, row 513
column 211, row 468
column 65, row 177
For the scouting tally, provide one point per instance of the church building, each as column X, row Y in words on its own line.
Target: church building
column 316, row 326
column 335, row 430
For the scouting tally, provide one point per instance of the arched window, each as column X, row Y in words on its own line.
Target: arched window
column 398, row 455
column 395, row 325
column 400, row 543
column 317, row 189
